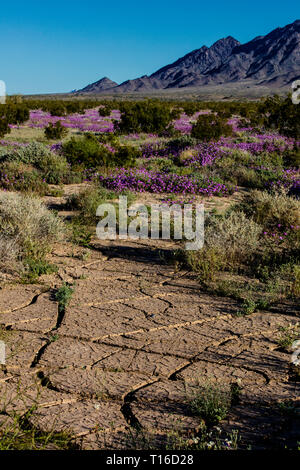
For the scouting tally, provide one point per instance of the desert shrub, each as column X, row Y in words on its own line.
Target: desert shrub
column 53, row 168
column 281, row 114
column 88, row 201
column 18, row 177
column 181, row 143
column 105, row 109
column 125, row 156
column 145, row 116
column 14, row 113
column 210, row 127
column 292, row 157
column 86, row 151
column 206, row 263
column 28, row 226
column 57, row 108
column 55, row 131
column 238, row 155
column 230, row 241
column 9, row 254
column 31, row 154
column 271, row 209
column 250, row 178
column 4, row 127
column 235, row 235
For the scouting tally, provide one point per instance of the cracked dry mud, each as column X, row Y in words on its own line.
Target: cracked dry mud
column 135, row 336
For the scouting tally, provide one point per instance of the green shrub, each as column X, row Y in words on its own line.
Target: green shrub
column 88, row 201
column 181, row 143
column 86, row 151
column 55, row 131
column 4, row 127
column 235, row 235
column 210, row 127
column 231, row 241
column 206, row 263
column 145, row 116
column 34, row 268
column 281, row 114
column 54, row 169
column 125, row 156
column 105, row 110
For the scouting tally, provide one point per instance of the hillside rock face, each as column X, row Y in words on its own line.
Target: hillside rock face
column 201, row 61
column 272, row 60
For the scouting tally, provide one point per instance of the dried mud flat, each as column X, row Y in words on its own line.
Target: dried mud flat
column 133, row 339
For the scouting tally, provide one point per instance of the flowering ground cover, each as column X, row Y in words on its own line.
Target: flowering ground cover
column 141, row 180
column 90, row 121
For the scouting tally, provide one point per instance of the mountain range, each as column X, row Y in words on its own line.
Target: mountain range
column 272, row 60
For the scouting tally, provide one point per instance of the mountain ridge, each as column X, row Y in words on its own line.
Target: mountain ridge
column 270, row 60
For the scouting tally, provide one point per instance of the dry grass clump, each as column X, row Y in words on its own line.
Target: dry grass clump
column 271, row 209
column 27, row 229
column 230, row 242
column 235, row 235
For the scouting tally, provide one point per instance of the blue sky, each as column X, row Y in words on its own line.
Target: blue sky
column 62, row 45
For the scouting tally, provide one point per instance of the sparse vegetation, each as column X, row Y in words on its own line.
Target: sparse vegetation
column 211, row 402
column 241, row 160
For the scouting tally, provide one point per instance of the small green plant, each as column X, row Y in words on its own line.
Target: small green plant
column 287, row 408
column 206, row 439
column 63, row 297
column 211, row 402
column 287, row 335
column 248, row 307
column 18, row 434
column 80, row 234
column 34, row 268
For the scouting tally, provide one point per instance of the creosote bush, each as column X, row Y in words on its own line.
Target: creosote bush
column 90, row 153
column 210, row 127
column 55, row 131
column 146, row 116
column 85, row 151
